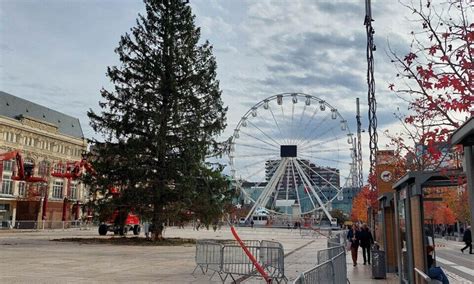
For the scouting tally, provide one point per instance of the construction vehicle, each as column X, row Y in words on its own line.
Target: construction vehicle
column 121, row 221
column 114, row 223
column 24, row 170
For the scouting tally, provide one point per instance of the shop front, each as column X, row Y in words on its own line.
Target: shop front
column 414, row 241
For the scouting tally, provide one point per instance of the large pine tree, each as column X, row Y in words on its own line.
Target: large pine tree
column 159, row 121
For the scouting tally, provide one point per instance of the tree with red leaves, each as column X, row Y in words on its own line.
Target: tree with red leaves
column 437, row 76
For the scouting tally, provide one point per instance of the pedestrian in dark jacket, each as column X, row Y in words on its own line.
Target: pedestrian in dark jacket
column 467, row 239
column 353, row 236
column 366, row 240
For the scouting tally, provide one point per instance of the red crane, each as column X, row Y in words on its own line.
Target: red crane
column 131, row 222
column 72, row 171
column 24, row 170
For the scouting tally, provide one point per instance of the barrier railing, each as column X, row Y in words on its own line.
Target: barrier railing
column 332, row 271
column 322, row 273
column 331, row 264
column 227, row 259
column 42, row 225
column 329, row 253
column 272, row 258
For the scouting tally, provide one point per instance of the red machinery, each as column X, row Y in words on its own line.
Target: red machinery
column 113, row 224
column 74, row 170
column 24, row 171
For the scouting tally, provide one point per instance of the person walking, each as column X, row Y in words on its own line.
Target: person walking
column 366, row 240
column 467, row 239
column 354, row 236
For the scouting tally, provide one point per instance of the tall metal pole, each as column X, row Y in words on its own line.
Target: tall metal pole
column 360, row 174
column 371, row 91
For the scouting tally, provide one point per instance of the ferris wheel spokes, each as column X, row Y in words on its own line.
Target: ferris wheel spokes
column 254, row 146
column 276, row 122
column 295, row 183
column 319, row 158
column 319, row 143
column 262, row 200
column 319, row 175
column 305, row 188
column 321, row 204
column 314, row 185
column 310, row 134
column 251, row 175
column 265, row 134
column 261, row 140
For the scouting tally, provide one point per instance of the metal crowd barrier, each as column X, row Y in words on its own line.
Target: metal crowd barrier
column 332, row 271
column 329, row 253
column 227, row 259
column 43, row 225
column 272, row 258
column 331, row 267
column 322, row 273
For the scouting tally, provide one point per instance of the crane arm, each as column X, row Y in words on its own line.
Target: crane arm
column 21, row 174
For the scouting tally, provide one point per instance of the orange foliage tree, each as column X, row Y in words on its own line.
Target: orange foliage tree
column 442, row 212
column 457, row 201
column 362, row 201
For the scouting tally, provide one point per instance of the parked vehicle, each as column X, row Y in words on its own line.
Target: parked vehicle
column 114, row 224
column 74, row 170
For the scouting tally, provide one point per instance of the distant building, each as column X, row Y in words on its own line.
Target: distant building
column 325, row 179
column 48, row 139
column 320, row 177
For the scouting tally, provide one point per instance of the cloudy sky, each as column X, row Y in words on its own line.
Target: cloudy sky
column 55, row 52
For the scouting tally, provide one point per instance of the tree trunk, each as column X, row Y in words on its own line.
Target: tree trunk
column 157, row 222
column 157, row 227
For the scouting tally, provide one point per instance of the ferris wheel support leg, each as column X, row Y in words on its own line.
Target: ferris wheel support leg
column 299, row 169
column 265, row 195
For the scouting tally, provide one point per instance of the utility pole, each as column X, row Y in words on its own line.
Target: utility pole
column 360, row 174
column 371, row 91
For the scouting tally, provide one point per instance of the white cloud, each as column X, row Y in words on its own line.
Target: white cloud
column 58, row 52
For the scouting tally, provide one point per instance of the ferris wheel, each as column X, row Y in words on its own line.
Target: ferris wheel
column 290, row 153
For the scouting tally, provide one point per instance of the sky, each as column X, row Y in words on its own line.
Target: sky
column 55, row 53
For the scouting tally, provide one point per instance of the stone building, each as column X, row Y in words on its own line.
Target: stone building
column 48, row 139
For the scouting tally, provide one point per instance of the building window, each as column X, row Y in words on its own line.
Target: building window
column 22, row 189
column 8, row 166
column 43, row 168
column 59, row 168
column 11, row 137
column 74, row 191
column 7, row 185
column 58, row 189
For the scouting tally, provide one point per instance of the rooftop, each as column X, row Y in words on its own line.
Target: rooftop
column 15, row 108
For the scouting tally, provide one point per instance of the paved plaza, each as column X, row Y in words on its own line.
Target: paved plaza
column 32, row 257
